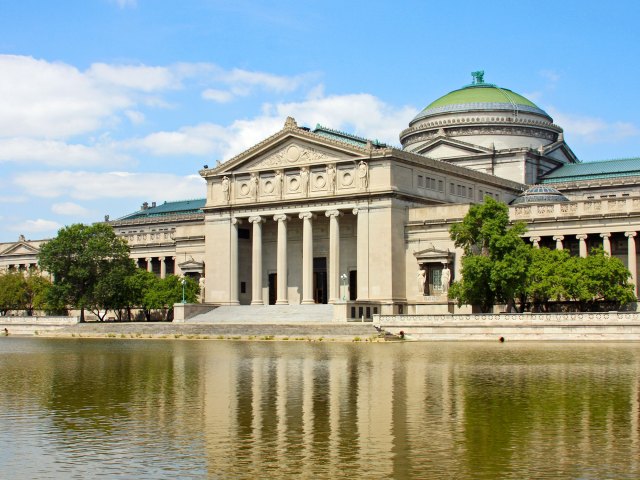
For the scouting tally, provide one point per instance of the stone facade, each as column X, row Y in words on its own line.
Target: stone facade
column 321, row 216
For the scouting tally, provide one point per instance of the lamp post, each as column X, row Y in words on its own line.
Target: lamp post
column 343, row 281
column 184, row 281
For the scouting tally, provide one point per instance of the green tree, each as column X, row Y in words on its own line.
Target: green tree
column 110, row 292
column 12, row 292
column 599, row 279
column 169, row 291
column 496, row 259
column 138, row 285
column 36, row 291
column 150, row 293
column 77, row 258
column 548, row 277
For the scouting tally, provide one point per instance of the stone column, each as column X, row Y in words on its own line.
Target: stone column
column 256, row 261
column 362, row 254
column 558, row 239
column 535, row 241
column 606, row 243
column 163, row 267
column 632, row 260
column 334, row 255
column 234, row 298
column 307, row 258
column 281, row 262
column 149, row 264
column 582, row 237
column 176, row 269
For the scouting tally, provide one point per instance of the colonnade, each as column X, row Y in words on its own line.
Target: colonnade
column 257, row 222
column 632, row 264
column 163, row 264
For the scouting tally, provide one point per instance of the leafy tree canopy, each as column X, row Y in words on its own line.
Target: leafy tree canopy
column 496, row 259
column 78, row 257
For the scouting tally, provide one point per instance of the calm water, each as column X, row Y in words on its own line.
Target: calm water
column 78, row 408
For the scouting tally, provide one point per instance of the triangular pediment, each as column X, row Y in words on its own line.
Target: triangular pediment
column 443, row 147
column 290, row 147
column 20, row 248
column 296, row 153
column 560, row 151
column 433, row 254
column 191, row 266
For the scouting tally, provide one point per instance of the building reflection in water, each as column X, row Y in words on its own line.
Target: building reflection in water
column 329, row 410
column 184, row 409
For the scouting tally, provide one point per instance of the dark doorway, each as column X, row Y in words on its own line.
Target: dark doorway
column 320, row 280
column 353, row 285
column 273, row 288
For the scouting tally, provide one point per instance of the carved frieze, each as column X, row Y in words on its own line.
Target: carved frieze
column 292, row 155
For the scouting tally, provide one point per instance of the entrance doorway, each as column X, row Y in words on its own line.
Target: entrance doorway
column 320, row 280
column 273, row 288
column 353, row 285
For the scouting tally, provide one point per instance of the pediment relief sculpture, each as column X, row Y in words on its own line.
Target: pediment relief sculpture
column 293, row 154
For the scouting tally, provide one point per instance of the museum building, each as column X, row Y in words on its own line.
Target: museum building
column 315, row 216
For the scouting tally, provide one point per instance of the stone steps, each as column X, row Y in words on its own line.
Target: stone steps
column 356, row 329
column 272, row 314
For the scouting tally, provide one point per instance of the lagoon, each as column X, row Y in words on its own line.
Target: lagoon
column 148, row 409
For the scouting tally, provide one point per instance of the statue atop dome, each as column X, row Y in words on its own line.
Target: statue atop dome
column 478, row 77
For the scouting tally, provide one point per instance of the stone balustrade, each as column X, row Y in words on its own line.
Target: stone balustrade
column 577, row 209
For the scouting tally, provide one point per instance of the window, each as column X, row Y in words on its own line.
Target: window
column 243, row 287
column 452, row 189
column 420, row 181
column 440, row 186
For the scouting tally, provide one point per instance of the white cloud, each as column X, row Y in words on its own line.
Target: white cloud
column 134, row 77
column 593, row 129
column 69, row 208
column 242, row 83
column 275, row 83
column 51, row 100
column 13, row 199
column 36, row 226
column 58, row 153
column 203, row 139
column 135, row 117
column 220, row 96
column 91, row 185
column 361, row 114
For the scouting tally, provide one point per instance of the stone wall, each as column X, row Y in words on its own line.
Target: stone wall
column 610, row 326
column 30, row 325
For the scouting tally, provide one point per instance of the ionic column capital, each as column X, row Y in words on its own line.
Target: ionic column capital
column 307, row 215
column 605, row 235
column 148, row 259
column 630, row 234
column 354, row 211
column 333, row 213
column 281, row 217
column 236, row 221
column 558, row 237
column 581, row 236
column 535, row 239
column 256, row 219
column 161, row 259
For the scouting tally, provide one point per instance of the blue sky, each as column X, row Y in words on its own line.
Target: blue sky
column 105, row 104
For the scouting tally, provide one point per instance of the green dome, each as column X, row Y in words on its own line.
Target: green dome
column 480, row 96
column 483, row 93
